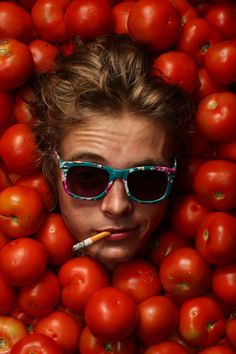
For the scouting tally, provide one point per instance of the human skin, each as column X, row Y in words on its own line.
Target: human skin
column 120, row 142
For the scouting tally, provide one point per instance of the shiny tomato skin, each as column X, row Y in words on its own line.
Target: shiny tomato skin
column 18, row 149
column 206, row 86
column 196, row 37
column 11, row 331
column 44, row 55
column 89, row 19
column 138, row 278
column 39, row 297
column 224, row 283
column 216, row 238
column 215, row 184
column 15, row 22
column 6, row 107
column 166, row 347
column 17, row 265
column 215, row 116
column 8, row 297
column 222, row 16
column 202, row 321
column 157, row 24
column 217, row 349
column 92, row 345
column 41, row 184
column 36, row 343
column 48, row 19
column 220, row 62
column 63, row 328
column 177, row 68
column 157, row 319
column 186, row 215
column 120, row 16
column 79, row 278
column 21, row 211
column 185, row 9
column 56, row 238
column 111, row 314
column 184, row 273
column 16, row 64
column 164, row 242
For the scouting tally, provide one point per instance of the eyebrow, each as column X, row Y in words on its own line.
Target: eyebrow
column 96, row 158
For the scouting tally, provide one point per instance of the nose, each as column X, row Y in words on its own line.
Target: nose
column 116, row 202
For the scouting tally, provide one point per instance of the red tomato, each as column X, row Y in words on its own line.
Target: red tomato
column 215, row 117
column 56, row 238
column 185, row 9
column 224, row 283
column 201, row 321
column 163, row 243
column 27, row 4
column 21, row 211
column 157, row 319
column 22, row 261
column 39, row 297
column 20, row 315
column 8, row 297
column 63, row 328
column 216, row 238
column 220, row 62
column 186, row 215
column 184, row 273
column 79, row 278
column 177, row 68
column 120, row 16
column 206, row 86
column 18, row 149
column 48, row 19
column 23, row 110
column 138, row 278
column 166, row 347
column 15, row 22
column 189, row 171
column 227, row 151
column 16, row 63
column 196, row 37
column 36, row 343
column 44, row 55
column 6, row 107
column 4, row 239
column 40, row 183
column 89, row 19
column 92, row 345
column 111, row 314
column 215, row 184
column 217, row 349
column 154, row 23
column 230, row 330
column 222, row 16
column 11, row 331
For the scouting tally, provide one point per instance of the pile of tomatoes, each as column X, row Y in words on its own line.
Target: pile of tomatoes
column 181, row 296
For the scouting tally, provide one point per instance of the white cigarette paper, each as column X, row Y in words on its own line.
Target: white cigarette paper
column 90, row 240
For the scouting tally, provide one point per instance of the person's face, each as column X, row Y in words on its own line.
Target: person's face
column 121, row 142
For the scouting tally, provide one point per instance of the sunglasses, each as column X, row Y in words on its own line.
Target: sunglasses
column 91, row 181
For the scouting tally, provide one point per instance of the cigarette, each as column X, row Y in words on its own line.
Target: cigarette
column 90, row 240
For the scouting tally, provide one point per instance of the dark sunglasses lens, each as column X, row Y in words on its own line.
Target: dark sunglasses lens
column 147, row 185
column 86, row 181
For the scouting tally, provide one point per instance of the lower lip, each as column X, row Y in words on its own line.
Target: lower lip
column 121, row 235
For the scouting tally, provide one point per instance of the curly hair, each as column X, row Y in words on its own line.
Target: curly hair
column 109, row 75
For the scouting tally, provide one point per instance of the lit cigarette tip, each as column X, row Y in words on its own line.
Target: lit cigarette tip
column 90, row 240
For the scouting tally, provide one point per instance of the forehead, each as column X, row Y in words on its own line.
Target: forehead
column 118, row 141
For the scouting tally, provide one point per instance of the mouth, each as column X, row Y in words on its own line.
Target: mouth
column 121, row 234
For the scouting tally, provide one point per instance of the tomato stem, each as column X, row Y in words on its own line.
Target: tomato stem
column 3, row 343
